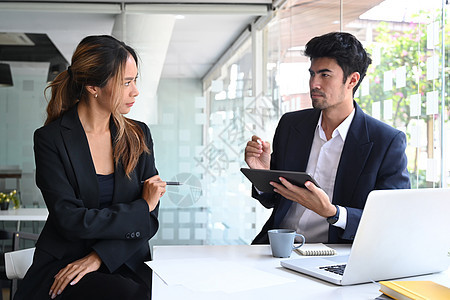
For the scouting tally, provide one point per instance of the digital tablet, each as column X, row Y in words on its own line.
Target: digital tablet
column 261, row 178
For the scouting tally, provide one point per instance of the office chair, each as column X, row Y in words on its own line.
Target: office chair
column 4, row 236
column 18, row 261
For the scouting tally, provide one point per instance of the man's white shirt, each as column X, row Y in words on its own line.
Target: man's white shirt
column 322, row 165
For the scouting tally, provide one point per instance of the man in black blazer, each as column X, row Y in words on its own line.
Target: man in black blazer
column 348, row 152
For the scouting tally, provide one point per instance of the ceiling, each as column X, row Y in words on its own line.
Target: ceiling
column 198, row 41
column 201, row 33
column 318, row 17
column 301, row 20
column 32, row 47
column 195, row 41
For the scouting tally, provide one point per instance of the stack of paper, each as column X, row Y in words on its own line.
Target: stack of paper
column 210, row 275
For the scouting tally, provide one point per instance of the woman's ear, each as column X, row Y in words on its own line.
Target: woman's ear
column 93, row 90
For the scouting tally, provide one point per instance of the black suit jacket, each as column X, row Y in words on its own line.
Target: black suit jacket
column 66, row 176
column 373, row 157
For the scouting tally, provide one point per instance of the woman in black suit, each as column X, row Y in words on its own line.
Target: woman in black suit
column 90, row 162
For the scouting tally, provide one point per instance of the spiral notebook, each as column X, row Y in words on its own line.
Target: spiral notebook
column 318, row 249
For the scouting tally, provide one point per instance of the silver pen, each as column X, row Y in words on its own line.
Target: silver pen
column 168, row 182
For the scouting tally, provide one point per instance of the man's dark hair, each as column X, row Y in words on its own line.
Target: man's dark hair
column 345, row 49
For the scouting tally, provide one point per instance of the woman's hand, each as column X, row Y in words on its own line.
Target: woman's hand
column 257, row 154
column 153, row 189
column 73, row 272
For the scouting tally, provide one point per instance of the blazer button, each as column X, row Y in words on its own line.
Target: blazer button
column 138, row 234
column 132, row 235
column 127, row 235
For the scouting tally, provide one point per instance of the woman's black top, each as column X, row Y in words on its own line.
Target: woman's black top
column 105, row 189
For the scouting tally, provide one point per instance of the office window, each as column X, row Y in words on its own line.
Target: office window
column 407, row 84
column 201, row 125
column 404, row 87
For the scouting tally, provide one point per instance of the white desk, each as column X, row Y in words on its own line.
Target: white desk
column 24, row 214
column 260, row 257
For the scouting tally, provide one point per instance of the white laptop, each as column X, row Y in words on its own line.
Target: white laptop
column 402, row 233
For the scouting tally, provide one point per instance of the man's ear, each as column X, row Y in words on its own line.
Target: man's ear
column 353, row 79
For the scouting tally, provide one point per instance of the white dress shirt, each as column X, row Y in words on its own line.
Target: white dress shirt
column 322, row 165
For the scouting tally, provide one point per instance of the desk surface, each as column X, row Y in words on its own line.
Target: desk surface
column 24, row 214
column 260, row 257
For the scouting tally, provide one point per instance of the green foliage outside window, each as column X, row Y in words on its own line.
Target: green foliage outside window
column 408, row 48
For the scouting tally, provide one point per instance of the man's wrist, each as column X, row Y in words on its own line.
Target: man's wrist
column 332, row 211
column 333, row 219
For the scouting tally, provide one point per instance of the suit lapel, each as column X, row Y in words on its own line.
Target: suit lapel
column 354, row 155
column 296, row 154
column 77, row 148
column 299, row 143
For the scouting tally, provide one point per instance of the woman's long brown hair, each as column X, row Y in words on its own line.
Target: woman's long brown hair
column 97, row 60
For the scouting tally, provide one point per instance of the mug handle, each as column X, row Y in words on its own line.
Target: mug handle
column 303, row 241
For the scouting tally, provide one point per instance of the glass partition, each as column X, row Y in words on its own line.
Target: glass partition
column 406, row 85
column 203, row 124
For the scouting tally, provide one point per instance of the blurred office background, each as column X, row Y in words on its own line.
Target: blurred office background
column 212, row 74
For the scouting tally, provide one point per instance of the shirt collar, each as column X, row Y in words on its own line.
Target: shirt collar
column 342, row 129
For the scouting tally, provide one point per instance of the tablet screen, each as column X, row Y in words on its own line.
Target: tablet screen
column 261, row 178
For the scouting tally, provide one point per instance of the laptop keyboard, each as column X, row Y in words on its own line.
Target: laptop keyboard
column 336, row 269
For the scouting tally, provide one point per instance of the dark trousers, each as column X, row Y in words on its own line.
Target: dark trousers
column 98, row 285
column 123, row 284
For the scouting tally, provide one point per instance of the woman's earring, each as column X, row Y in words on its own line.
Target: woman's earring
column 95, row 96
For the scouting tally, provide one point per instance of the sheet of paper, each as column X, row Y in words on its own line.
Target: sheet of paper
column 432, row 67
column 387, row 80
column 414, row 139
column 432, row 172
column 387, row 109
column 376, row 108
column 211, row 275
column 415, row 105
column 432, row 103
column 376, row 55
column 400, row 77
column 365, row 87
column 432, row 34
